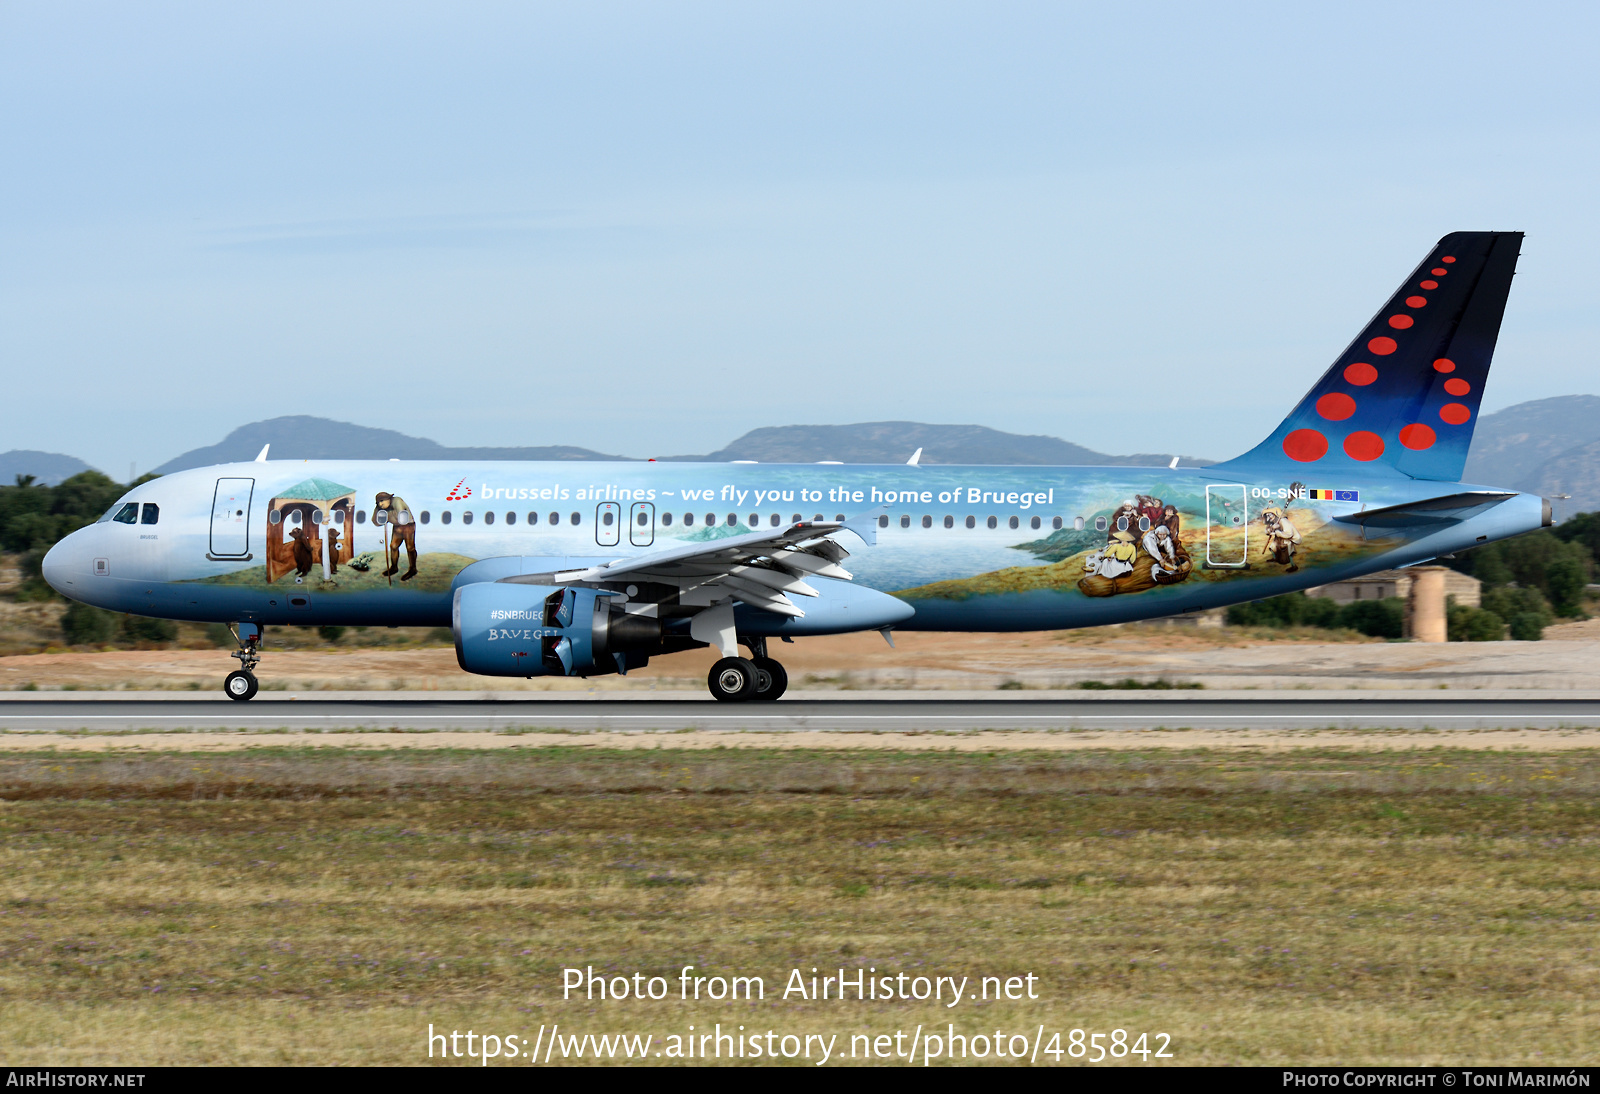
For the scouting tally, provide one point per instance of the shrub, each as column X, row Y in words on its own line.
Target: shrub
column 1527, row 626
column 139, row 628
column 83, row 625
column 330, row 634
column 1288, row 610
column 1473, row 624
column 1509, row 602
column 220, row 636
column 1376, row 618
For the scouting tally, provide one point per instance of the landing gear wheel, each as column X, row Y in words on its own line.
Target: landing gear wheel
column 241, row 686
column 732, row 680
column 771, row 679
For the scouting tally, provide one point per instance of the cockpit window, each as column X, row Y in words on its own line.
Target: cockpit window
column 152, row 513
column 128, row 514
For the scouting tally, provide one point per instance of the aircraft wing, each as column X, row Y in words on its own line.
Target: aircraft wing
column 1441, row 510
column 759, row 568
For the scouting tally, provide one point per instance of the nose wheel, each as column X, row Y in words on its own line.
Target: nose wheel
column 241, row 685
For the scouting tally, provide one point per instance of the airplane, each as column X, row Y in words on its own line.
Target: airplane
column 585, row 569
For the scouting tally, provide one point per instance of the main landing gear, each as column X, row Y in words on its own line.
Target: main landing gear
column 759, row 677
column 242, row 684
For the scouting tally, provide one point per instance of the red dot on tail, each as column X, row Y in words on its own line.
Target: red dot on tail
column 1448, row 258
column 1457, row 387
column 1383, row 346
column 1363, row 446
column 1336, row 406
column 1455, row 413
column 1305, row 445
column 1417, row 436
column 1416, row 301
column 1444, row 364
column 1430, row 284
column 1360, row 373
column 1400, row 322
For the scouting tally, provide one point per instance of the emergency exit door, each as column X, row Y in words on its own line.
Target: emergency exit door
column 607, row 523
column 1227, row 528
column 642, row 524
column 230, row 519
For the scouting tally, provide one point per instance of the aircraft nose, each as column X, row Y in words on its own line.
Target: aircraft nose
column 58, row 569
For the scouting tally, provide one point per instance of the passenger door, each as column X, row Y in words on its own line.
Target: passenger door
column 607, row 523
column 642, row 524
column 230, row 519
column 1227, row 528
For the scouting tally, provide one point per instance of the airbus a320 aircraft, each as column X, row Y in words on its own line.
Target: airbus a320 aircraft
column 572, row 569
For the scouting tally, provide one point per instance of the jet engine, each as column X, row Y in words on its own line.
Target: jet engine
column 533, row 630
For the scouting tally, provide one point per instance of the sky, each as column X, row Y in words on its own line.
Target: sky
column 648, row 228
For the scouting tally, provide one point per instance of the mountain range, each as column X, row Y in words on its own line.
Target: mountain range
column 1547, row 446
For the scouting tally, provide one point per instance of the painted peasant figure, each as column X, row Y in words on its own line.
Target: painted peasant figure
column 402, row 528
column 1281, row 539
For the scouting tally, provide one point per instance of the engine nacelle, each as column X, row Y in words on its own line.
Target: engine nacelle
column 536, row 630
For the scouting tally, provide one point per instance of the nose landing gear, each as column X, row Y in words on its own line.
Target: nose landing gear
column 241, row 684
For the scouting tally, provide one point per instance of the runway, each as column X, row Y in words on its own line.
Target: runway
column 827, row 711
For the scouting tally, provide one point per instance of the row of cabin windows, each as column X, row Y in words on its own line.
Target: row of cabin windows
column 130, row 513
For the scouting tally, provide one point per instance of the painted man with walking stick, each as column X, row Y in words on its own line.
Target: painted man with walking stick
column 399, row 527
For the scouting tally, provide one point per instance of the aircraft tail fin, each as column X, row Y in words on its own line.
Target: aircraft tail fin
column 1403, row 397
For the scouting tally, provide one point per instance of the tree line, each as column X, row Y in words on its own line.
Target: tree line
column 1529, row 582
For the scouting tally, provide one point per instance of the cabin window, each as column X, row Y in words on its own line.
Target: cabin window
column 607, row 518
column 1013, row 522
column 274, row 516
column 1034, row 523
column 555, row 518
column 927, row 522
column 688, row 519
column 883, row 521
column 972, row 522
column 488, row 518
column 711, row 518
column 511, row 518
column 644, row 519
column 152, row 513
column 905, row 520
column 1077, row 523
column 424, row 516
column 577, row 519
column 316, row 516
column 361, row 517
column 733, row 519
column 839, row 517
column 949, row 522
column 466, row 517
column 1122, row 524
column 338, row 516
column 444, row 517
column 666, row 520
column 993, row 522
column 776, row 520
column 1099, row 524
column 1144, row 524
column 796, row 519
column 755, row 519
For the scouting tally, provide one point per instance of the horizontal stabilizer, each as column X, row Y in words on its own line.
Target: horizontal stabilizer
column 1441, row 510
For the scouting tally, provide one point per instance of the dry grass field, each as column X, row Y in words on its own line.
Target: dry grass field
column 279, row 904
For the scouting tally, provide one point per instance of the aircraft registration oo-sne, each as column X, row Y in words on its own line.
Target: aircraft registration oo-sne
column 572, row 569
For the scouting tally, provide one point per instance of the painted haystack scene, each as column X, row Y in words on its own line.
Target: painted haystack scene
column 1147, row 543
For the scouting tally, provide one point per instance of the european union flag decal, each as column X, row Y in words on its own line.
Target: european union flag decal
column 1347, row 495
